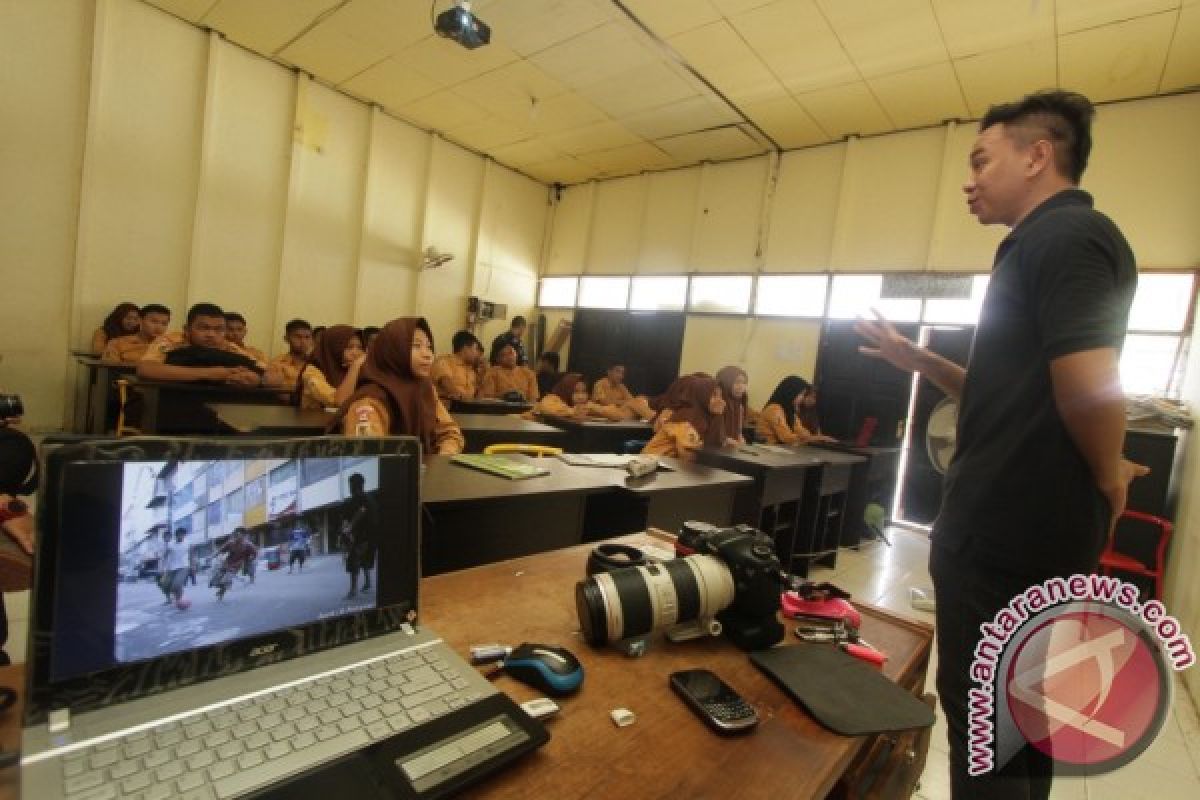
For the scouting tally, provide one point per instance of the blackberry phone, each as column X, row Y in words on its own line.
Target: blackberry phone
column 722, row 708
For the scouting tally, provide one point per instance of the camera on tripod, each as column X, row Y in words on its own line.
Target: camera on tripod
column 728, row 581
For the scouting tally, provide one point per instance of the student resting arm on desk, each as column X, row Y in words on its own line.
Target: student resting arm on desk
column 121, row 321
column 733, row 381
column 697, row 418
column 506, row 376
column 456, row 375
column 612, row 391
column 395, row 396
column 782, row 419
column 328, row 367
column 205, row 327
column 129, row 349
column 569, row 399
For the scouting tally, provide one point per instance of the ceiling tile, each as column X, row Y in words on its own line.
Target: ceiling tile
column 442, row 111
column 794, row 41
column 669, row 17
column 595, row 55
column 529, row 152
column 564, row 170
column 512, row 91
column 491, row 133
column 1116, row 61
column 266, row 25
column 191, row 10
column 392, row 84
column 886, row 36
column 1183, row 60
column 332, row 54
column 922, row 96
column 658, row 84
column 629, row 159
column 388, row 25
column 451, row 63
column 728, row 142
column 1076, row 15
column 600, row 136
column 847, row 109
column 562, row 112
column 785, row 121
column 720, row 54
column 530, row 26
column 1000, row 76
column 970, row 27
column 694, row 114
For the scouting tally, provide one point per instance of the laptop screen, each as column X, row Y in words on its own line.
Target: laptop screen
column 167, row 549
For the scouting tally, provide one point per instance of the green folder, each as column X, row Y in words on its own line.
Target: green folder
column 500, row 465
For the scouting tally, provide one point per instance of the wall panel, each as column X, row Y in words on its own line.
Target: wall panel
column 619, row 214
column 959, row 243
column 666, row 242
column 804, row 210
column 569, row 238
column 727, row 221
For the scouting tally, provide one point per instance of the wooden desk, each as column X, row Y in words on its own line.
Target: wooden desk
column 871, row 482
column 481, row 405
column 101, row 376
column 476, row 518
column 600, row 436
column 264, row 420
column 789, row 755
column 481, row 430
column 178, row 407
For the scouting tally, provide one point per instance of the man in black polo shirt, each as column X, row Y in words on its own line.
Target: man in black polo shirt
column 1037, row 478
column 512, row 337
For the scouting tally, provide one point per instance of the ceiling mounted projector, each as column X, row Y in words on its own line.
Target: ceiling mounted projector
column 462, row 26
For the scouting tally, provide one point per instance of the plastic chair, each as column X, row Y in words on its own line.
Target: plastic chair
column 122, row 397
column 1112, row 560
column 538, row 450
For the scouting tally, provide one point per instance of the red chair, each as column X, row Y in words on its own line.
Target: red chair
column 1111, row 560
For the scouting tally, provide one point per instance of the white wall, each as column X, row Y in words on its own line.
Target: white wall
column 164, row 164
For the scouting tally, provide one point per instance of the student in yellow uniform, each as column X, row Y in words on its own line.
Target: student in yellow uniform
column 455, row 375
column 394, row 395
column 782, row 418
column 121, row 321
column 155, row 319
column 612, row 391
column 697, row 419
column 569, row 398
column 327, row 380
column 235, row 331
column 299, row 337
column 504, row 376
column 734, row 381
column 204, row 330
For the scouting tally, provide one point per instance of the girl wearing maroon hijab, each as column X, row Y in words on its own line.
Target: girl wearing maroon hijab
column 697, row 418
column 324, row 377
column 733, row 382
column 570, row 398
column 394, row 396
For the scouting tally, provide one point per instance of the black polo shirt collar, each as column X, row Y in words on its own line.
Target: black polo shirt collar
column 1067, row 197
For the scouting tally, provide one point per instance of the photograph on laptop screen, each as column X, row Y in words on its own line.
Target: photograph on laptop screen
column 213, row 551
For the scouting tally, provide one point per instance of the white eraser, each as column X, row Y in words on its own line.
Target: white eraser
column 540, row 707
column 623, row 717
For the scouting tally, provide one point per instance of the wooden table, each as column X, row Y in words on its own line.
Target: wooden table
column 480, row 405
column 600, row 436
column 181, row 407
column 481, row 430
column 271, row 420
column 668, row 752
column 475, row 518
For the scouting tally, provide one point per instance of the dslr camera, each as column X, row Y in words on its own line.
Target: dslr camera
column 728, row 581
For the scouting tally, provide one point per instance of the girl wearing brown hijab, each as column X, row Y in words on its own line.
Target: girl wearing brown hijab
column 394, row 395
column 121, row 321
column 733, row 382
column 569, row 398
column 325, row 376
column 697, row 418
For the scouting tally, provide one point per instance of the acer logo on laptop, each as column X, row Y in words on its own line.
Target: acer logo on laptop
column 264, row 650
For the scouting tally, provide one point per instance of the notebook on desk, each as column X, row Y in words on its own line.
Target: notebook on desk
column 247, row 679
column 499, row 465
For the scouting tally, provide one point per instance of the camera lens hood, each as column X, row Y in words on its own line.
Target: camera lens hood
column 607, row 557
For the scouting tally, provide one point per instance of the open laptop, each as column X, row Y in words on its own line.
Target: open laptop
column 187, row 666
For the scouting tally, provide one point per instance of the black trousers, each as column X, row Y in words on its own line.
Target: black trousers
column 969, row 594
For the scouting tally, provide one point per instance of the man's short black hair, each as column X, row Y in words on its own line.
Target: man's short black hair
column 356, row 479
column 233, row 316
column 517, row 322
column 181, row 530
column 464, row 339
column 551, row 358
column 154, row 308
column 370, row 330
column 1065, row 118
column 204, row 310
column 296, row 325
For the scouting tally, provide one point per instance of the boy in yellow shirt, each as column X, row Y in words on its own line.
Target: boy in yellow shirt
column 235, row 331
column 299, row 337
column 130, row 348
column 205, row 328
column 456, row 375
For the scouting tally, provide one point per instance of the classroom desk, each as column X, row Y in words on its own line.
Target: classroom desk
column 473, row 517
column 481, row 430
column 789, row 755
column 871, row 482
column 177, row 407
column 842, row 479
column 101, row 376
column 480, row 405
column 600, row 436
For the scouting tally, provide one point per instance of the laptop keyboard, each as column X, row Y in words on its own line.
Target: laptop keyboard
column 234, row 749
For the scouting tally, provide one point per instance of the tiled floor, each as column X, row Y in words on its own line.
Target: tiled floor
column 1169, row 770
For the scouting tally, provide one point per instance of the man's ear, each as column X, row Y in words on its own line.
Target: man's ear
column 1041, row 157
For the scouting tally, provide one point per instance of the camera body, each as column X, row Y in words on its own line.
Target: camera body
column 728, row 581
